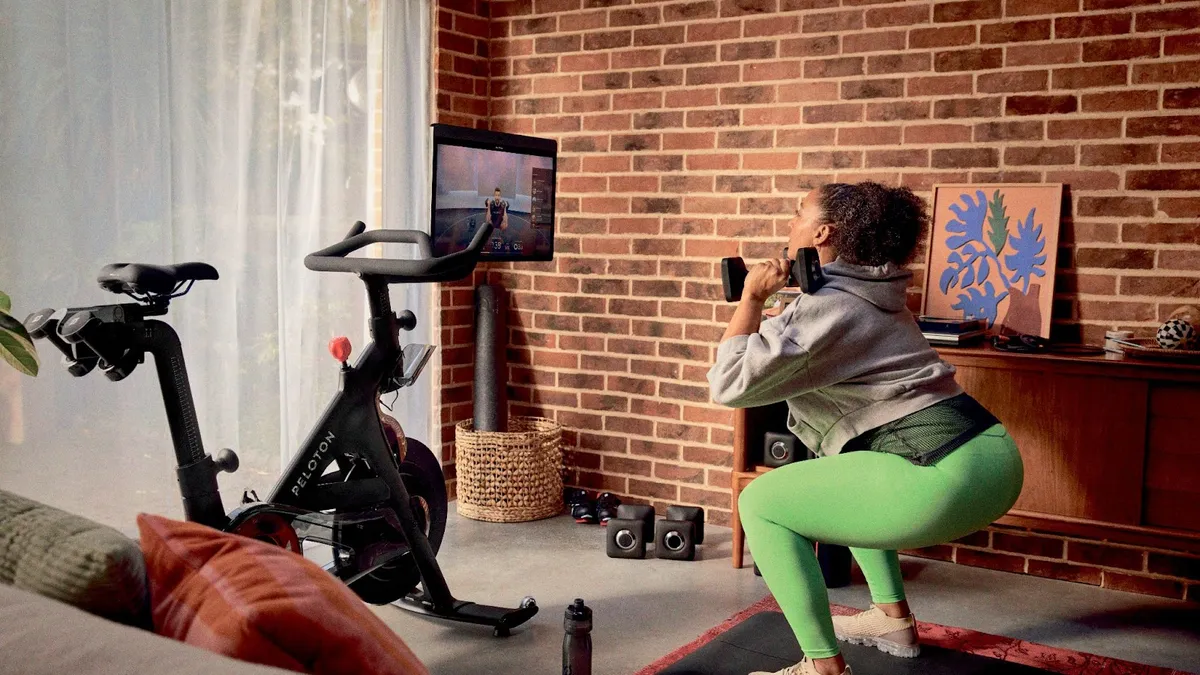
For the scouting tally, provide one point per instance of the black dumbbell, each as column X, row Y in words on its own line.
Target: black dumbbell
column 693, row 514
column 675, row 540
column 626, row 538
column 677, row 536
column 805, row 273
column 642, row 513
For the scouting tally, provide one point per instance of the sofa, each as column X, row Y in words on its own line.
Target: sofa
column 43, row 636
column 79, row 597
column 74, row 599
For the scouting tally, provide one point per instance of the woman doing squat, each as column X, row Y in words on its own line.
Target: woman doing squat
column 905, row 460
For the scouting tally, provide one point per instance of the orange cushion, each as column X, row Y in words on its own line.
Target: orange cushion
column 256, row 602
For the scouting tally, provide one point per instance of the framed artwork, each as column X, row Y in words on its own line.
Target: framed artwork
column 992, row 255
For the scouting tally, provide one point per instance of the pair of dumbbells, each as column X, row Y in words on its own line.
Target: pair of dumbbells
column 675, row 537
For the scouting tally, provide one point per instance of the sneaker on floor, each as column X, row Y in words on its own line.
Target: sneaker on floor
column 873, row 628
column 580, row 505
column 805, row 667
column 606, row 507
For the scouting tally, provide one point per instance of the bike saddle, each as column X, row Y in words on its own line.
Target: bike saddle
column 138, row 279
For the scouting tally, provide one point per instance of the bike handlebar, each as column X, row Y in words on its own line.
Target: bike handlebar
column 428, row 268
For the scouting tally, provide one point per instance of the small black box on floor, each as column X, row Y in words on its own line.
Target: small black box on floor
column 675, row 540
column 626, row 538
column 639, row 512
column 693, row 514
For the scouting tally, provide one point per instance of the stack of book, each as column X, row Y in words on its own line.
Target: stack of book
column 952, row 332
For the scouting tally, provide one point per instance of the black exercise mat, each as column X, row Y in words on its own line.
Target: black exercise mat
column 766, row 642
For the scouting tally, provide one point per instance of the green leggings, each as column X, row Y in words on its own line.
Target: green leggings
column 875, row 503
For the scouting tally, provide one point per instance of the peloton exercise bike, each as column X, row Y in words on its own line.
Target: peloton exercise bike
column 377, row 499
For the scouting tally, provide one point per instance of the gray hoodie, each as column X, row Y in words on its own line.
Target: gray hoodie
column 847, row 359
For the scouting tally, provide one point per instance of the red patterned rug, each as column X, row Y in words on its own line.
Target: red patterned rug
column 1012, row 650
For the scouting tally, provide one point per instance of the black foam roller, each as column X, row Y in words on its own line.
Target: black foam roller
column 491, row 363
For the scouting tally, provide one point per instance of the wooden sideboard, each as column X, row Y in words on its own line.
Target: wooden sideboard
column 1111, row 445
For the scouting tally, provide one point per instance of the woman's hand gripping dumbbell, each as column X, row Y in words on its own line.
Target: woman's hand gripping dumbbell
column 803, row 272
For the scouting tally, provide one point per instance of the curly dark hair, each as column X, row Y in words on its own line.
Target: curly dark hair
column 873, row 224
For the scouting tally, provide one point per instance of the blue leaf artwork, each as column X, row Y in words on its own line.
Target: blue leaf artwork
column 1028, row 260
column 988, row 267
column 968, row 223
column 977, row 304
column 949, row 277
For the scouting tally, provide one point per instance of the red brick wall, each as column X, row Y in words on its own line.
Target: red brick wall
column 687, row 130
column 461, row 86
column 1151, row 570
column 463, row 31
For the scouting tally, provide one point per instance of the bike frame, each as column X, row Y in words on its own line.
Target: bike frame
column 346, row 428
column 349, row 432
column 349, row 429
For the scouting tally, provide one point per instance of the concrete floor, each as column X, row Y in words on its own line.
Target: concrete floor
column 645, row 609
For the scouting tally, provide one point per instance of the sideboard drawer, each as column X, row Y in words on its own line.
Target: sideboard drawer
column 1082, row 439
column 1172, row 490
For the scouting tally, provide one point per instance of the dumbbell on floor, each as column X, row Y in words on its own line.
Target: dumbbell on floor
column 639, row 512
column 693, row 514
column 675, row 540
column 676, row 537
column 630, row 532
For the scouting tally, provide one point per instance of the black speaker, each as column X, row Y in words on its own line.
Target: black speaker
column 835, row 564
column 780, row 449
column 693, row 514
column 491, row 363
column 675, row 540
column 626, row 538
column 639, row 512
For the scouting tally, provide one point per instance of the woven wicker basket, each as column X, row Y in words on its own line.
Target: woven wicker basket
column 512, row 476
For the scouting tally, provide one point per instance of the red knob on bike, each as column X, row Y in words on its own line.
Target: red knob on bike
column 340, row 348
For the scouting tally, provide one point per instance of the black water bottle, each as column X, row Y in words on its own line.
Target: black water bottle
column 577, row 643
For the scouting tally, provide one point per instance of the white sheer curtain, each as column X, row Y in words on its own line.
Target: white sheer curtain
column 406, row 193
column 234, row 132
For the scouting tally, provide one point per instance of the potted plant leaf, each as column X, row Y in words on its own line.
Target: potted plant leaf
column 16, row 347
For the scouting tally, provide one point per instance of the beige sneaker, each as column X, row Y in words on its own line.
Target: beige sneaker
column 873, row 628
column 805, row 667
